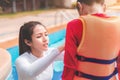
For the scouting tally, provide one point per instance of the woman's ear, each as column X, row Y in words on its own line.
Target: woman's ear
column 27, row 42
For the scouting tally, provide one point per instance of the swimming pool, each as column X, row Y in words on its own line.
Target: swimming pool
column 56, row 39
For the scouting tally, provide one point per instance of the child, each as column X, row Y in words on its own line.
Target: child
column 92, row 44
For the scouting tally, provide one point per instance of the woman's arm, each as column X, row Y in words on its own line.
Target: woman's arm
column 61, row 56
column 35, row 68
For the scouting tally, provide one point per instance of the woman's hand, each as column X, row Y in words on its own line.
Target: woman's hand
column 61, row 48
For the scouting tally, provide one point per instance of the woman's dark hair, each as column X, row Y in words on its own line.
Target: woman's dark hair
column 90, row 2
column 26, row 32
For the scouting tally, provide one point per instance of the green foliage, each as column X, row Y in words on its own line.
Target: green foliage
column 25, row 13
column 73, row 4
column 5, row 3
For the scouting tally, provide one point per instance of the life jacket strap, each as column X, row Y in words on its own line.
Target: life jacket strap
column 92, row 77
column 100, row 61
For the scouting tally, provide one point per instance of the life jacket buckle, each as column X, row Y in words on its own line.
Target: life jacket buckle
column 78, row 73
column 82, row 58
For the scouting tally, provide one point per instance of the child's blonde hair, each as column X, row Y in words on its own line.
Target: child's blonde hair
column 90, row 2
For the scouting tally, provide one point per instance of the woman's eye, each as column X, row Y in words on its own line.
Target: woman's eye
column 46, row 34
column 39, row 36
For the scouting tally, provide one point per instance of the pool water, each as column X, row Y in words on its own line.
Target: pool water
column 56, row 39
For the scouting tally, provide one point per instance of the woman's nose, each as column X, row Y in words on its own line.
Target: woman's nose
column 45, row 38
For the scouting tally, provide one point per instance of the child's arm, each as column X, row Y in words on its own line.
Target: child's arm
column 118, row 65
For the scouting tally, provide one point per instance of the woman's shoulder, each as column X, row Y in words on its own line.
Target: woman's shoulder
column 22, row 57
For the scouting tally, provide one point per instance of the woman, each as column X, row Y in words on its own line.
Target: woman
column 35, row 60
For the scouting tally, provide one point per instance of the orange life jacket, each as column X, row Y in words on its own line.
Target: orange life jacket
column 100, row 41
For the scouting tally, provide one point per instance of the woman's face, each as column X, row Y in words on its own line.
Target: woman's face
column 40, row 39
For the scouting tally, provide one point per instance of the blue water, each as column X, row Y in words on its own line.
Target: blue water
column 56, row 39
